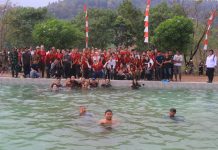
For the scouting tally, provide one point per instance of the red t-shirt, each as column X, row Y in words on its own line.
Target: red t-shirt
column 59, row 56
column 97, row 67
column 76, row 57
column 84, row 64
column 48, row 58
column 42, row 54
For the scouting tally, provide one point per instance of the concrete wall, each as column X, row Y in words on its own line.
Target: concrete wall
column 116, row 83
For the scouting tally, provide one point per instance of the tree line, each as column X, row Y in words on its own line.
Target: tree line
column 170, row 28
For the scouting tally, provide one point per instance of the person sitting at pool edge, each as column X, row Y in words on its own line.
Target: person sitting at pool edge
column 172, row 112
column 108, row 118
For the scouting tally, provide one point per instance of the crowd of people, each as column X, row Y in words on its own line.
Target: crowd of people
column 118, row 64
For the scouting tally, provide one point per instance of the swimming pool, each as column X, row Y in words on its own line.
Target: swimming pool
column 32, row 118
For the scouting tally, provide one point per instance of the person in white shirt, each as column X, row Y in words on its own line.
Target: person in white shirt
column 178, row 59
column 211, row 63
column 110, row 67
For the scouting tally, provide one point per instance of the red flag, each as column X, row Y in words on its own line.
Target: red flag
column 146, row 21
column 86, row 25
column 209, row 24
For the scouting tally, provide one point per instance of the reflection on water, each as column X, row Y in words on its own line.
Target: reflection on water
column 34, row 118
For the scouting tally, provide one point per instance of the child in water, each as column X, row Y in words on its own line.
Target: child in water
column 107, row 84
column 56, row 85
column 135, row 85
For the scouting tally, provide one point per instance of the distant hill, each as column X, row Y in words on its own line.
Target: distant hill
column 67, row 9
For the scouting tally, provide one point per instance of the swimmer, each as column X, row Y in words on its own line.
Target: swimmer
column 83, row 112
column 171, row 115
column 57, row 82
column 172, row 112
column 93, row 83
column 107, row 84
column 135, row 85
column 68, row 83
column 108, row 118
column 55, row 88
column 74, row 83
column 86, row 85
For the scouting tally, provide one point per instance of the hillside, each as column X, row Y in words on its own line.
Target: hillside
column 67, row 9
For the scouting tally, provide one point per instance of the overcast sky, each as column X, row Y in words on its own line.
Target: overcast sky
column 31, row 3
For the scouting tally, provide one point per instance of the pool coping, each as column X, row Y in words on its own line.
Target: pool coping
column 118, row 83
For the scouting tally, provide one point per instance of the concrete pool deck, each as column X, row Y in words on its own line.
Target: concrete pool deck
column 116, row 83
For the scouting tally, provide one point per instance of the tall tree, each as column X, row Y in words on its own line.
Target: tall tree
column 162, row 12
column 20, row 25
column 101, row 31
column 174, row 34
column 61, row 34
column 132, row 17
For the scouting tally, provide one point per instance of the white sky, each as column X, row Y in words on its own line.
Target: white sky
column 31, row 3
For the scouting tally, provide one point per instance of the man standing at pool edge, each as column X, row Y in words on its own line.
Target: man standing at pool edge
column 211, row 63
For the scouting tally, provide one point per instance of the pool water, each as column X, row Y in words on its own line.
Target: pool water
column 32, row 118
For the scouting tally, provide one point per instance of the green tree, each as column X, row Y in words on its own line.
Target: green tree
column 161, row 13
column 101, row 31
column 123, row 32
column 20, row 23
column 131, row 18
column 174, row 34
column 60, row 34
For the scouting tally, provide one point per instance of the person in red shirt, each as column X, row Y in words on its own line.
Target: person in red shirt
column 53, row 54
column 42, row 55
column 59, row 55
column 98, row 69
column 76, row 66
column 48, row 61
column 85, row 67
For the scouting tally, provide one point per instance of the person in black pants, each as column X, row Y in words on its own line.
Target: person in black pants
column 67, row 64
column 26, row 61
column 211, row 63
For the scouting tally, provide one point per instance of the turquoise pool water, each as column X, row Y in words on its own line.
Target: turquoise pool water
column 32, row 118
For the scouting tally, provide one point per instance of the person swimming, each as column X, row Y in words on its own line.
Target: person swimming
column 56, row 85
column 135, row 85
column 86, row 85
column 93, row 83
column 68, row 83
column 172, row 116
column 108, row 119
column 74, row 83
column 172, row 112
column 106, row 84
column 83, row 112
column 55, row 88
column 57, row 82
